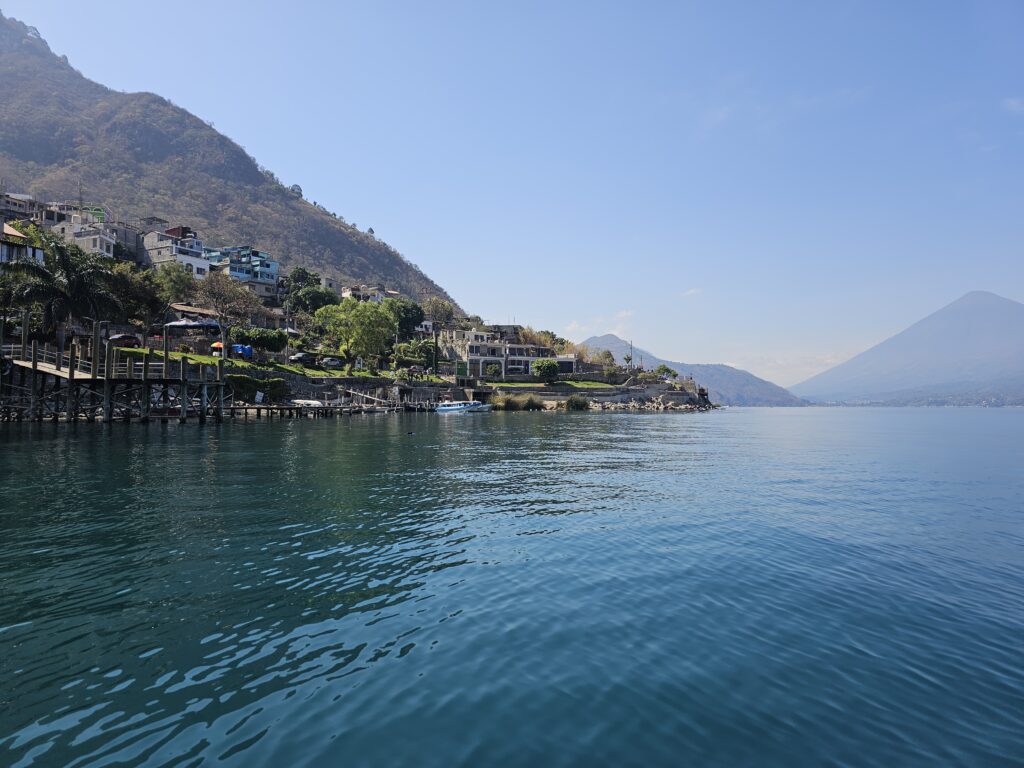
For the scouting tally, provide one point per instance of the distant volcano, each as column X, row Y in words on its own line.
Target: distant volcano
column 969, row 352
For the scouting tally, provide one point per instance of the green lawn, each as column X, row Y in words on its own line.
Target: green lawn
column 242, row 365
column 574, row 384
column 238, row 364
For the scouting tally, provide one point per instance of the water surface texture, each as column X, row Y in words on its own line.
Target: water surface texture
column 746, row 587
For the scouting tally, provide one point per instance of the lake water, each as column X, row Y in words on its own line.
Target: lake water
column 746, row 587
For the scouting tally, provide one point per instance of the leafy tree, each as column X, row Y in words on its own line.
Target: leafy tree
column 493, row 371
column 295, row 189
column 545, row 369
column 663, row 371
column 311, row 297
column 408, row 314
column 415, row 352
column 605, row 358
column 358, row 328
column 175, row 284
column 627, row 359
column 543, row 339
column 231, row 301
column 138, row 292
column 300, row 278
column 472, row 323
column 440, row 311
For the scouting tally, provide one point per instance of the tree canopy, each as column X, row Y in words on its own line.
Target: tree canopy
column 440, row 311
column 358, row 328
column 312, row 297
column 300, row 278
column 408, row 314
column 545, row 369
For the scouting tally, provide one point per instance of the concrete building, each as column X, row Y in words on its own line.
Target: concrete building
column 244, row 263
column 14, row 207
column 482, row 349
column 84, row 225
column 177, row 244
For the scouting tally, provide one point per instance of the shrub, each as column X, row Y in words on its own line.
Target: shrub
column 514, row 403
column 493, row 371
column 546, row 370
column 576, row 403
column 245, row 387
column 267, row 339
column 505, row 403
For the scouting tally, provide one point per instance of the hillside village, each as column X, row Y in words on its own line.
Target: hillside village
column 207, row 298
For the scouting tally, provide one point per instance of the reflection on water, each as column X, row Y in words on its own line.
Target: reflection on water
column 754, row 586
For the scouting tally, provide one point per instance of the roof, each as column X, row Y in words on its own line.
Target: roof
column 10, row 231
column 188, row 309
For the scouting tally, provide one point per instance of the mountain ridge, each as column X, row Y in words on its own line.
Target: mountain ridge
column 726, row 385
column 971, row 350
column 141, row 155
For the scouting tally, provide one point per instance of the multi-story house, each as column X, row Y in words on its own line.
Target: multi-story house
column 177, row 244
column 15, row 247
column 18, row 207
column 244, row 263
column 482, row 349
column 91, row 227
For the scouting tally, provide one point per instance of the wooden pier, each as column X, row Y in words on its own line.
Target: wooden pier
column 37, row 383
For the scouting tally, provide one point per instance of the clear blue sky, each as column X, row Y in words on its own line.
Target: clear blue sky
column 772, row 185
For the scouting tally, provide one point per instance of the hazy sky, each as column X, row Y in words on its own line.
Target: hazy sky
column 773, row 185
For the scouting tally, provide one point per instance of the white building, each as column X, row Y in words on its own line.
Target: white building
column 178, row 244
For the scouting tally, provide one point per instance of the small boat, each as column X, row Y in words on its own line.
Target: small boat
column 468, row 406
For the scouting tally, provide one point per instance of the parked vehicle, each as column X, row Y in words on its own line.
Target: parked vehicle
column 303, row 358
column 331, row 362
column 127, row 340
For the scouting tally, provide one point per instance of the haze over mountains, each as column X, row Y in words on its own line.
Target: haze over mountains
column 140, row 155
column 968, row 352
column 726, row 385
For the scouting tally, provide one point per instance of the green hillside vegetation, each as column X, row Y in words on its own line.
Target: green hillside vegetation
column 141, row 155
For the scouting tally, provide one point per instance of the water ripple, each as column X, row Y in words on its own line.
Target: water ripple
column 751, row 587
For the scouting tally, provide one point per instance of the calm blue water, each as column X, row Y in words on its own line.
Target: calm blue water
column 749, row 587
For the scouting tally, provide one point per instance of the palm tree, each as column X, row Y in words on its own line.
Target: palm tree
column 72, row 286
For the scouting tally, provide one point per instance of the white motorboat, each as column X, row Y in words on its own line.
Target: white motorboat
column 467, row 406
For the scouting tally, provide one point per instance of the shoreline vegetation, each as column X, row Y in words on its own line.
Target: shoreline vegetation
column 90, row 336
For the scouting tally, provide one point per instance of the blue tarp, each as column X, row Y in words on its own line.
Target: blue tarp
column 245, row 350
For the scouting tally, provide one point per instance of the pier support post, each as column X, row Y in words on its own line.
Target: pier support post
column 71, row 407
column 33, row 406
column 220, row 390
column 184, row 390
column 94, row 351
column 108, row 371
column 147, row 388
column 203, row 402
